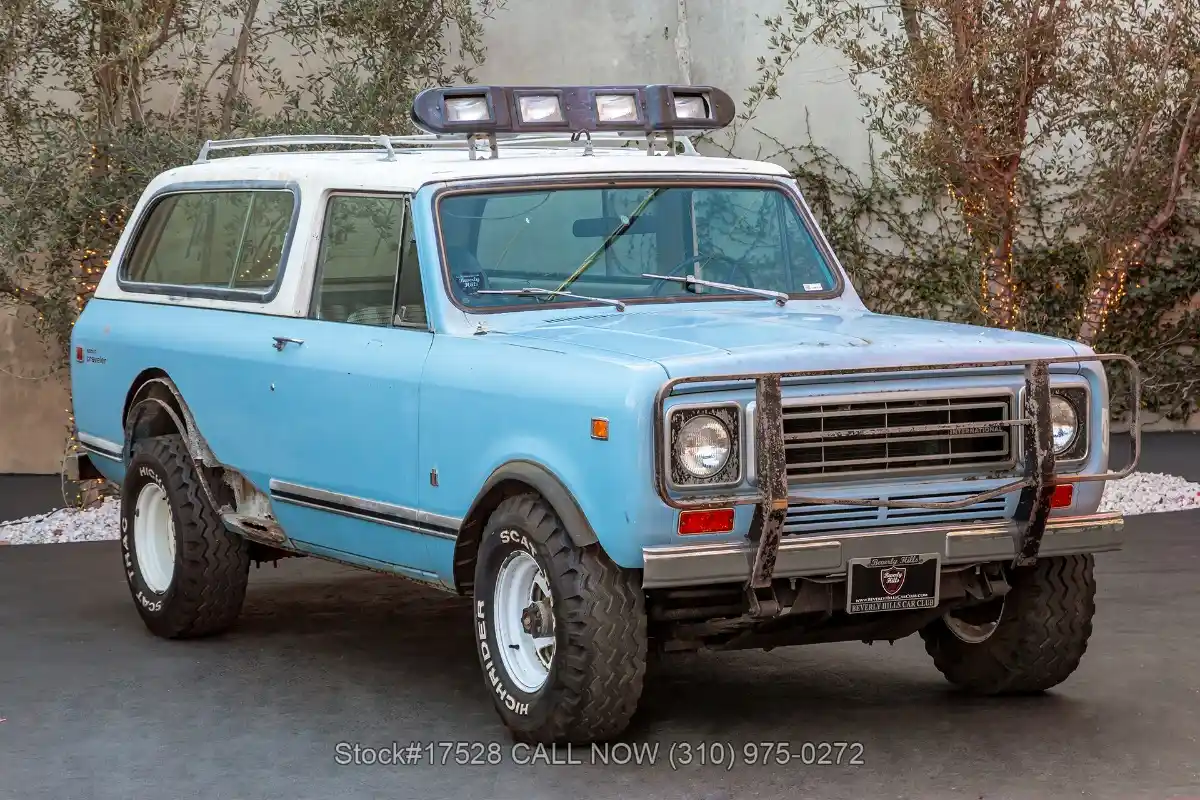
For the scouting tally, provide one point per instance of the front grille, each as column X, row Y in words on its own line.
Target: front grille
column 865, row 437
column 820, row 519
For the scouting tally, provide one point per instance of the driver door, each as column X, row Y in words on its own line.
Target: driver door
column 346, row 384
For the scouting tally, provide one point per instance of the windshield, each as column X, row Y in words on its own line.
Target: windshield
column 601, row 242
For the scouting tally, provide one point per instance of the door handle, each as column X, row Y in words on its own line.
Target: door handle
column 282, row 341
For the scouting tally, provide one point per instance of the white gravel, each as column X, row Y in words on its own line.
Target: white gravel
column 1140, row 493
column 66, row 525
column 1150, row 493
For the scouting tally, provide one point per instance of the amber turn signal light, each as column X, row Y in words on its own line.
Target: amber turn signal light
column 599, row 428
column 1062, row 496
column 718, row 520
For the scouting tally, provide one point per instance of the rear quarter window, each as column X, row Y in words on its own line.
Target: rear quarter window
column 213, row 241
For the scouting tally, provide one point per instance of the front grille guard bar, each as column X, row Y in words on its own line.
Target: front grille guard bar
column 771, row 501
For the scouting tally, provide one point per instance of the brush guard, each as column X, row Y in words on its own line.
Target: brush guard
column 1036, row 485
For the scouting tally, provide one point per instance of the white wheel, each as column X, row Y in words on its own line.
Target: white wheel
column 524, row 621
column 154, row 537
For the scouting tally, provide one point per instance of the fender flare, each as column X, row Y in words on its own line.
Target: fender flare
column 145, row 402
column 151, row 405
column 179, row 413
column 550, row 487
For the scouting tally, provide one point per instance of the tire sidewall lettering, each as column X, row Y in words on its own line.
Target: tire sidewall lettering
column 141, row 471
column 523, row 709
column 513, row 536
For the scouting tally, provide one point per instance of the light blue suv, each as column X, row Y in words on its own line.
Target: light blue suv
column 622, row 395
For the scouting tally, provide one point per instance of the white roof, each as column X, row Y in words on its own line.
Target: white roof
column 410, row 170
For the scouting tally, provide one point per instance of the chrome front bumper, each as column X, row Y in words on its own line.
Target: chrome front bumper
column 668, row 566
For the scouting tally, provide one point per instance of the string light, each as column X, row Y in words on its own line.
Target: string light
column 993, row 272
column 1110, row 289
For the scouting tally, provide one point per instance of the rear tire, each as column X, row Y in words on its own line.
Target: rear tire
column 567, row 667
column 186, row 572
column 1040, row 636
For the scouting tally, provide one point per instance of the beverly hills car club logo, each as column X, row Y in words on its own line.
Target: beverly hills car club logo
column 892, row 579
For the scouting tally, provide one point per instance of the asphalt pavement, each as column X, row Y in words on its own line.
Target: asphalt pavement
column 326, row 658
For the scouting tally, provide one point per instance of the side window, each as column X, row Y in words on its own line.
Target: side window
column 368, row 272
column 360, row 257
column 215, row 239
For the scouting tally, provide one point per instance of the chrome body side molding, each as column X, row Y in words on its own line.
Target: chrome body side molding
column 412, row 519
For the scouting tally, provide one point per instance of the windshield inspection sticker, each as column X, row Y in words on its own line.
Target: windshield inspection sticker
column 813, row 287
column 469, row 281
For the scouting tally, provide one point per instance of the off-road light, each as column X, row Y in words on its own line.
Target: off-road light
column 649, row 109
column 617, row 108
column 468, row 108
column 1064, row 424
column 691, row 107
column 540, row 108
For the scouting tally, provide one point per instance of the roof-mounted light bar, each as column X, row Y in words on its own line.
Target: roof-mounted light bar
column 485, row 111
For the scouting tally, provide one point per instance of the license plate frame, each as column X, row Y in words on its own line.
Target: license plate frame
column 862, row 573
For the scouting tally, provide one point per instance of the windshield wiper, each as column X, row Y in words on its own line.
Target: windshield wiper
column 618, row 232
column 780, row 298
column 531, row 291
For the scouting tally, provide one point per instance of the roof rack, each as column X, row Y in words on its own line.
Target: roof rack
column 391, row 145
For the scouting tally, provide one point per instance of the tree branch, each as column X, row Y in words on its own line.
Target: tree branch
column 239, row 65
column 912, row 24
column 1138, row 145
column 22, row 296
column 1179, row 167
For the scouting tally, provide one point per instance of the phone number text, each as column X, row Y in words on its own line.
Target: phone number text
column 723, row 755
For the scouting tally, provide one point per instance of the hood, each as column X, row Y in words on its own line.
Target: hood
column 698, row 339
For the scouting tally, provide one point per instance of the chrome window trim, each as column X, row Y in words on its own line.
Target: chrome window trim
column 207, row 292
column 327, row 198
column 619, row 179
column 738, row 445
column 884, row 396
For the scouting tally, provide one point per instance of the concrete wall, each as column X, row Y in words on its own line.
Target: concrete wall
column 33, row 403
column 712, row 42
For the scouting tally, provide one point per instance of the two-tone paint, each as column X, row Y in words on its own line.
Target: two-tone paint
column 375, row 444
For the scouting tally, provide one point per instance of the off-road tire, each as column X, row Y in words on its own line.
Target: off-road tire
column 212, row 565
column 1041, row 636
column 599, row 665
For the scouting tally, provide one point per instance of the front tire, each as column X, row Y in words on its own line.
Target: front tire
column 186, row 572
column 1038, row 637
column 560, row 629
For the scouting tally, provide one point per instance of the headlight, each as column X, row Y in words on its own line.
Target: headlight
column 1064, row 424
column 703, row 446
